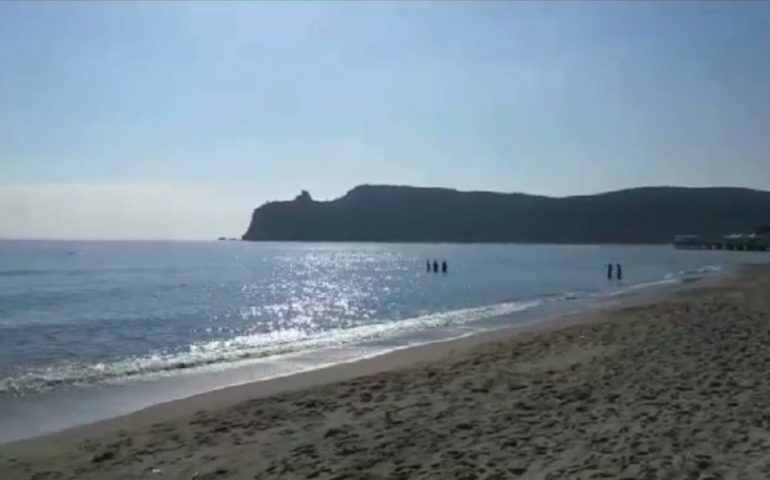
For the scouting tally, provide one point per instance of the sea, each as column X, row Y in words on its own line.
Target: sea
column 92, row 330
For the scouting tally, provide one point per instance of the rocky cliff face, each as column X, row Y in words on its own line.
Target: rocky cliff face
column 410, row 214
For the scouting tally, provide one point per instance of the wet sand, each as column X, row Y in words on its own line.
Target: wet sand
column 677, row 388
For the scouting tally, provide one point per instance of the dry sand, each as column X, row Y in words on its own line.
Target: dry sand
column 678, row 388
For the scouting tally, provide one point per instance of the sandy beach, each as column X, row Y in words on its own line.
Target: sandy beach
column 677, row 388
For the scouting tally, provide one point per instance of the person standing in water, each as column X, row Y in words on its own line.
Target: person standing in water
column 443, row 267
column 609, row 271
column 435, row 266
column 427, row 266
column 618, row 271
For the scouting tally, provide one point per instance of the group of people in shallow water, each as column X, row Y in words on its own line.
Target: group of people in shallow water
column 617, row 269
column 444, row 266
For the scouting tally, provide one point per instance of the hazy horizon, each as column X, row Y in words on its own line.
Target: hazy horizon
column 174, row 120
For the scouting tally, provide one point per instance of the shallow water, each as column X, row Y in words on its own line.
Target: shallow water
column 148, row 319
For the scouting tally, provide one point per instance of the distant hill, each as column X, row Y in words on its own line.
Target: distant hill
column 383, row 213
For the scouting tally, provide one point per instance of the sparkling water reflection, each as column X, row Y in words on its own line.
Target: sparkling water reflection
column 88, row 312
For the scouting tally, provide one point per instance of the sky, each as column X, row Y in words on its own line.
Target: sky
column 174, row 120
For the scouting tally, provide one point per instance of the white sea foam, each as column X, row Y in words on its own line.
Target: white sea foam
column 246, row 347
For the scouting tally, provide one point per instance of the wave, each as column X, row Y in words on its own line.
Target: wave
column 23, row 272
column 629, row 289
column 706, row 269
column 244, row 348
column 694, row 274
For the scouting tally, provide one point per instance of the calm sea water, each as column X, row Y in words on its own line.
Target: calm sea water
column 82, row 316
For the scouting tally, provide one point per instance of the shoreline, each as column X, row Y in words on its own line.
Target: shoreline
column 669, row 385
column 392, row 360
column 83, row 407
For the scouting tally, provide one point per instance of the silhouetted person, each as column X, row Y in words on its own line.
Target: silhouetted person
column 443, row 267
column 435, row 266
column 609, row 271
column 427, row 266
column 619, row 271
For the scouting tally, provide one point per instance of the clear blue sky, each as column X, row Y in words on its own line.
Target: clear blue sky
column 178, row 118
